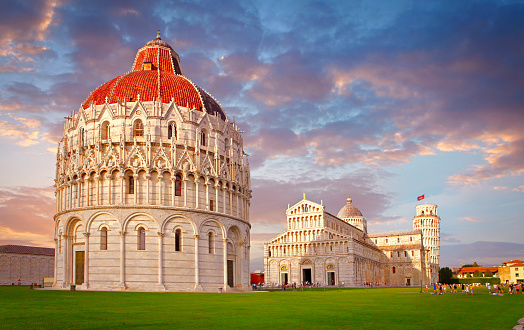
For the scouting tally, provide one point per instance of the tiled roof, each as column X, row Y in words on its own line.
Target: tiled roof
column 27, row 250
column 163, row 72
column 480, row 269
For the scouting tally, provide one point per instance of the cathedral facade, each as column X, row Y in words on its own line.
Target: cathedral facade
column 324, row 249
column 152, row 186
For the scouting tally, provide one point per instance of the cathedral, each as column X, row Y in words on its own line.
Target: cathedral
column 323, row 249
column 152, row 186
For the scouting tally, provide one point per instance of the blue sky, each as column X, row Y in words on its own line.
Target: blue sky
column 380, row 100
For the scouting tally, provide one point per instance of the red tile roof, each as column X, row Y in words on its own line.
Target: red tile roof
column 165, row 74
column 23, row 249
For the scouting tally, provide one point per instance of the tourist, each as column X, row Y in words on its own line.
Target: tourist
column 489, row 288
column 467, row 289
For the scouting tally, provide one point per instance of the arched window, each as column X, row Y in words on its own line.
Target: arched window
column 203, row 138
column 138, row 128
column 171, row 131
column 211, row 239
column 141, row 239
column 106, row 130
column 393, row 270
column 81, row 137
column 131, row 184
column 103, row 239
column 178, row 240
column 178, row 185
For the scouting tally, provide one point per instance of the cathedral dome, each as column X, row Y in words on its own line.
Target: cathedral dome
column 349, row 210
column 156, row 75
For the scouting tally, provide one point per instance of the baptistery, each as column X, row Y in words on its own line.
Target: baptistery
column 152, row 186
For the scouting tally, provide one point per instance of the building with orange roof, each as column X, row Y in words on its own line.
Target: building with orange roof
column 512, row 272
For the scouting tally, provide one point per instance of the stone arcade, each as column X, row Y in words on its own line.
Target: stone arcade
column 152, row 186
column 318, row 247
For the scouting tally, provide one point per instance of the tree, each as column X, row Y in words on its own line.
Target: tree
column 477, row 273
column 445, row 275
column 488, row 273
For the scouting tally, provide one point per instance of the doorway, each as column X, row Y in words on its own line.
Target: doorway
column 284, row 278
column 79, row 267
column 331, row 278
column 408, row 281
column 230, row 276
column 306, row 276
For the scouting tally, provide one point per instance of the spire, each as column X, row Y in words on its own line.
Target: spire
column 349, row 200
column 158, row 34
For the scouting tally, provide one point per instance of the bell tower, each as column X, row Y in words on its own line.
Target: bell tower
column 428, row 222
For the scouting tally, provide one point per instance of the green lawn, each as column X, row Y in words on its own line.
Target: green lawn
column 388, row 308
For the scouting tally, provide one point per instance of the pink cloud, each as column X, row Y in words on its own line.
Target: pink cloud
column 26, row 215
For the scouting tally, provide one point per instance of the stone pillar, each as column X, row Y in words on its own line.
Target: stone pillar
column 224, row 240
column 197, row 273
column 108, row 177
column 148, row 179
column 224, row 199
column 160, row 260
column 185, row 190
column 86, row 261
column 137, row 188
column 230, row 201
column 216, row 196
column 55, row 262
column 122, row 260
column 88, row 196
column 160, row 190
column 66, row 258
column 207, row 195
column 97, row 178
column 122, row 178
column 173, row 190
column 196, row 192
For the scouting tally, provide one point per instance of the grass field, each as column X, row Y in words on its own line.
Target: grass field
column 384, row 308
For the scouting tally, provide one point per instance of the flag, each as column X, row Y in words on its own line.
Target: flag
column 419, row 198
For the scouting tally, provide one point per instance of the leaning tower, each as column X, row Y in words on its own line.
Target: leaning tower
column 428, row 222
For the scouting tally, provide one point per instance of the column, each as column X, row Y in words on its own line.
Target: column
column 224, row 199
column 196, row 193
column 66, row 258
column 207, row 195
column 224, row 240
column 87, row 192
column 122, row 259
column 160, row 190
column 80, row 190
column 55, row 263
column 216, row 196
column 197, row 279
column 137, row 188
column 122, row 178
column 185, row 190
column 97, row 178
column 108, row 177
column 160, row 258
column 86, row 260
column 173, row 190
column 230, row 202
column 148, row 179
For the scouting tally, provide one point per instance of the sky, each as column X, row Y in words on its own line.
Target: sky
column 382, row 101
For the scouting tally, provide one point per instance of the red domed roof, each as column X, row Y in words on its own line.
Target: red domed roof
column 156, row 74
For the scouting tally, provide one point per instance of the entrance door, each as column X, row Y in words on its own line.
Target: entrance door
column 408, row 281
column 79, row 267
column 284, row 278
column 331, row 278
column 306, row 275
column 230, row 276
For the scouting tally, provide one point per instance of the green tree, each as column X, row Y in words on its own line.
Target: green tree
column 445, row 275
column 477, row 273
column 488, row 273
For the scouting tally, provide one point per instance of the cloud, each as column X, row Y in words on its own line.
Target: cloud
column 469, row 219
column 26, row 215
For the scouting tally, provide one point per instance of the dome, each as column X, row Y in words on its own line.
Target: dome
column 349, row 210
column 156, row 75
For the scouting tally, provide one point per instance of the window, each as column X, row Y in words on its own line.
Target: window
column 103, row 239
column 178, row 240
column 139, row 128
column 393, row 270
column 171, row 131
column 106, row 131
column 81, row 137
column 398, row 254
column 178, row 186
column 405, row 253
column 412, row 253
column 411, row 238
column 398, row 239
column 141, row 239
column 211, row 205
column 203, row 138
column 516, row 274
column 131, row 185
column 211, row 239
column 386, row 240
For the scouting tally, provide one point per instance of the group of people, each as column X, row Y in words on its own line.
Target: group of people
column 468, row 289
